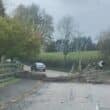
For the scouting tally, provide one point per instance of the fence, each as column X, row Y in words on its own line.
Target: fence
column 8, row 71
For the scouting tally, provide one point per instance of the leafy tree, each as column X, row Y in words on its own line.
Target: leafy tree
column 32, row 46
column 2, row 10
column 39, row 20
column 17, row 41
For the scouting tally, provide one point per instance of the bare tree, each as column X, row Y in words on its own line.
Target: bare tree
column 66, row 29
column 82, row 44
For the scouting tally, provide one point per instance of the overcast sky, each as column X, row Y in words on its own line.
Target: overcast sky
column 92, row 16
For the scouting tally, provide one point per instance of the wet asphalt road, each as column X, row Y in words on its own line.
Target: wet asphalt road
column 51, row 73
column 68, row 96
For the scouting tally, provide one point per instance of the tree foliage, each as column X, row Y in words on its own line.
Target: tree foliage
column 51, row 47
column 77, row 44
column 17, row 41
column 82, row 44
column 2, row 10
column 39, row 20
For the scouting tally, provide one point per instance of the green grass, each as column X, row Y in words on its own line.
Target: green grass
column 72, row 55
column 11, row 81
column 56, row 60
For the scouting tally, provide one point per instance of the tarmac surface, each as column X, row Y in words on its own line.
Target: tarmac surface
column 57, row 96
column 67, row 96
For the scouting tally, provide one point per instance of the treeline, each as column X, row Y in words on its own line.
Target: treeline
column 77, row 44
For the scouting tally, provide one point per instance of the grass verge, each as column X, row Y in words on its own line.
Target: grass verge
column 12, row 81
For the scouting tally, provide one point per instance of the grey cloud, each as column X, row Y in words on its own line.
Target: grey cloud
column 91, row 15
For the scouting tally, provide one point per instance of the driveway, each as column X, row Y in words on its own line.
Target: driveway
column 67, row 96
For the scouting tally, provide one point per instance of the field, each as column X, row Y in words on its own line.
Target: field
column 56, row 60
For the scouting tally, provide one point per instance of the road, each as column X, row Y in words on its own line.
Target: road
column 68, row 96
column 51, row 73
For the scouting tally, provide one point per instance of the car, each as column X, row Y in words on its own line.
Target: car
column 38, row 66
